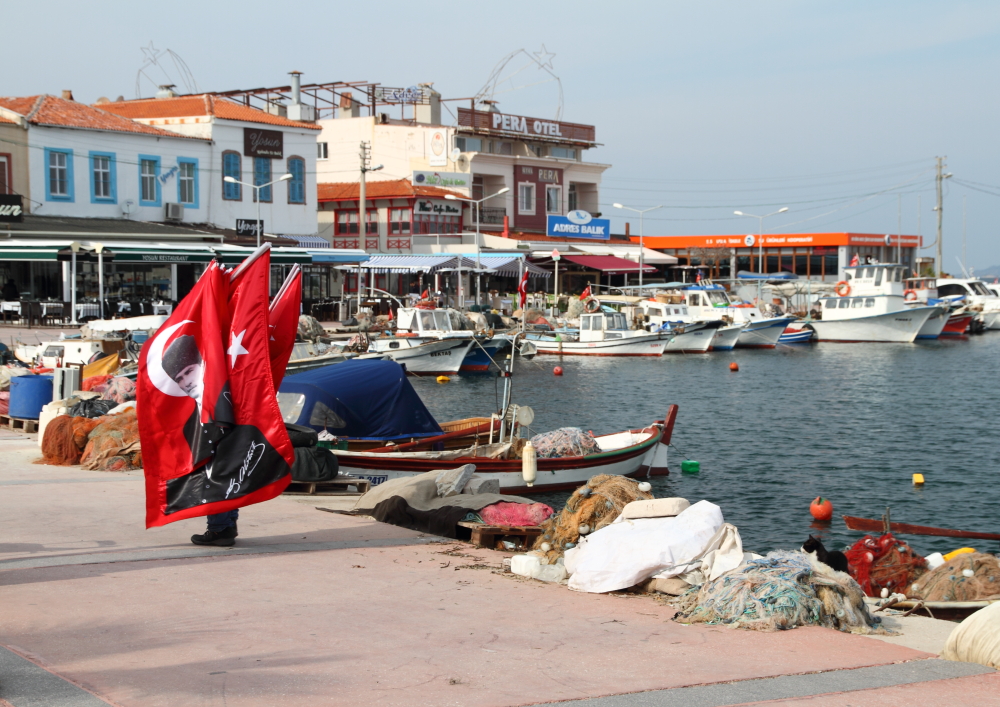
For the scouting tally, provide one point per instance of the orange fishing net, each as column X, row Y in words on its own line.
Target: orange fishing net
column 64, row 439
column 113, row 444
column 884, row 562
column 95, row 383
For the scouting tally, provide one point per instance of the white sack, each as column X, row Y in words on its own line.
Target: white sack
column 976, row 639
column 654, row 508
column 627, row 552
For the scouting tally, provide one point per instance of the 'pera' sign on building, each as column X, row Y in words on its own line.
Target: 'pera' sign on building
column 578, row 224
column 506, row 124
column 263, row 143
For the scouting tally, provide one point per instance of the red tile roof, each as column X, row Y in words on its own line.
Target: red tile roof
column 59, row 112
column 7, row 120
column 198, row 105
column 382, row 189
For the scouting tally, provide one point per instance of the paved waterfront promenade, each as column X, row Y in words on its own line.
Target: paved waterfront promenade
column 314, row 608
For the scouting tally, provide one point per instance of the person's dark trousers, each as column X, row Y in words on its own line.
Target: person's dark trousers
column 220, row 521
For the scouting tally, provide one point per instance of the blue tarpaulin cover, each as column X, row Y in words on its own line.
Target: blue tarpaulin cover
column 368, row 399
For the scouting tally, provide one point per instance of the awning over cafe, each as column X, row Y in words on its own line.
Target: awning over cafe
column 608, row 264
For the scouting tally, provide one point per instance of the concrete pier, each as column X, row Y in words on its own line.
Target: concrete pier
column 315, row 608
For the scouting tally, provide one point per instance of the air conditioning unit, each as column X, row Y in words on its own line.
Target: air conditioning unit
column 173, row 212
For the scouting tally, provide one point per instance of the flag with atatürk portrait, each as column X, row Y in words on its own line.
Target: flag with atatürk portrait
column 182, row 391
column 201, row 459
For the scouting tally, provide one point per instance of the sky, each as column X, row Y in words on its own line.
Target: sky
column 836, row 110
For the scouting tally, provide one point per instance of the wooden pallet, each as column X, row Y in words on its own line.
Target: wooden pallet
column 337, row 487
column 492, row 536
column 17, row 423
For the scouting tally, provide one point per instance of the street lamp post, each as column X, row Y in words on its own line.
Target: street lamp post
column 641, row 212
column 760, row 233
column 257, row 188
column 478, row 203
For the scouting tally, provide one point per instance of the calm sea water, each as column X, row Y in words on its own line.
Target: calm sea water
column 851, row 422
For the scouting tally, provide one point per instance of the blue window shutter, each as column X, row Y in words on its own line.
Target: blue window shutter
column 296, row 185
column 231, row 168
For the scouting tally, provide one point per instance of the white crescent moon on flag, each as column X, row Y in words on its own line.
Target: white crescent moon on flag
column 154, row 362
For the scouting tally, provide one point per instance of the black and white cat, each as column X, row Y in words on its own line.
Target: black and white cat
column 833, row 559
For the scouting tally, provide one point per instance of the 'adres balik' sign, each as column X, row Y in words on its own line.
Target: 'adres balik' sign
column 578, row 224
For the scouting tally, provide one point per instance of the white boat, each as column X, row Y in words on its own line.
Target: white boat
column 977, row 294
column 935, row 323
column 605, row 334
column 425, row 342
column 687, row 334
column 714, row 302
column 870, row 307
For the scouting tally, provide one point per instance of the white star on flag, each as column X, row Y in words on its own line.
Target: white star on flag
column 236, row 348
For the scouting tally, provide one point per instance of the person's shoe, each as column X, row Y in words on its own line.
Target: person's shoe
column 222, row 538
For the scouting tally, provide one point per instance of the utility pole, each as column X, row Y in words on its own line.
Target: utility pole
column 366, row 159
column 939, row 182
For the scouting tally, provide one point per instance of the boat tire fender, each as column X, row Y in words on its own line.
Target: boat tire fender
column 842, row 288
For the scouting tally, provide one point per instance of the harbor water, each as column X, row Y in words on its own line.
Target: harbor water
column 849, row 422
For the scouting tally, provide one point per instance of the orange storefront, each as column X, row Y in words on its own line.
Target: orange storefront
column 815, row 255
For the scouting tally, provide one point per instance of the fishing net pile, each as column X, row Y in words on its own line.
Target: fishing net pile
column 783, row 590
column 972, row 576
column 65, row 439
column 97, row 384
column 113, row 445
column 520, row 514
column 119, row 390
column 590, row 508
column 884, row 562
column 565, row 442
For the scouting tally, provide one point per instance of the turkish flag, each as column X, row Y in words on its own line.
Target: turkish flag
column 586, row 293
column 425, row 294
column 184, row 407
column 854, row 261
column 283, row 320
column 522, row 289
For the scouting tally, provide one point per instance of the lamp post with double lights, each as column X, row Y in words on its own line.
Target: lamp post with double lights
column 641, row 212
column 257, row 188
column 479, row 216
column 760, row 232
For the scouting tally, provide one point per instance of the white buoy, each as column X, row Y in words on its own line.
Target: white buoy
column 583, row 529
column 529, row 464
column 969, row 573
column 645, row 486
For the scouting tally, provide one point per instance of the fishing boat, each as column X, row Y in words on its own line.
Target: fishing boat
column 713, row 301
column 796, row 335
column 635, row 453
column 687, row 334
column 425, row 342
column 869, row 306
column 977, row 294
column 604, row 334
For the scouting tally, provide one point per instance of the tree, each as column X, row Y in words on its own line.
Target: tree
column 712, row 258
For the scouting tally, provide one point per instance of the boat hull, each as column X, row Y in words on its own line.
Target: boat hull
column 726, row 337
column 432, row 358
column 796, row 336
column 762, row 333
column 652, row 345
column 691, row 341
column 934, row 325
column 958, row 325
column 893, row 327
column 479, row 360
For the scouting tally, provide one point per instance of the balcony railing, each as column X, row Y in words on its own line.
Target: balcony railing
column 345, row 243
column 371, row 244
column 489, row 215
column 397, row 244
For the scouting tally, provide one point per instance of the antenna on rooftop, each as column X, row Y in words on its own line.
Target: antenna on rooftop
column 502, row 79
column 156, row 70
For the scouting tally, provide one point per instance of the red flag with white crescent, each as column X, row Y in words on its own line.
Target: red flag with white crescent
column 184, row 407
column 522, row 289
column 854, row 261
column 425, row 294
column 283, row 320
column 586, row 292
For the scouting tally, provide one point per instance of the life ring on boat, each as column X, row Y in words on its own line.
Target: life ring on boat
column 425, row 304
column 591, row 305
column 842, row 288
column 910, row 295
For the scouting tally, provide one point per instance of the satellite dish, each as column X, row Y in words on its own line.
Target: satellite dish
column 462, row 162
column 127, row 206
column 455, row 154
column 524, row 416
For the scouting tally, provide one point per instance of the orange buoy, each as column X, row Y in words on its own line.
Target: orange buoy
column 734, row 366
column 557, row 370
column 821, row 508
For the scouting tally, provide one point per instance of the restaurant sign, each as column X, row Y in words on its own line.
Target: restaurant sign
column 248, row 227
column 578, row 224
column 451, row 180
column 11, row 208
column 263, row 143
column 437, row 207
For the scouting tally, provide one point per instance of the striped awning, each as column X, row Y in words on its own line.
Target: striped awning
column 413, row 263
column 310, row 241
column 510, row 265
